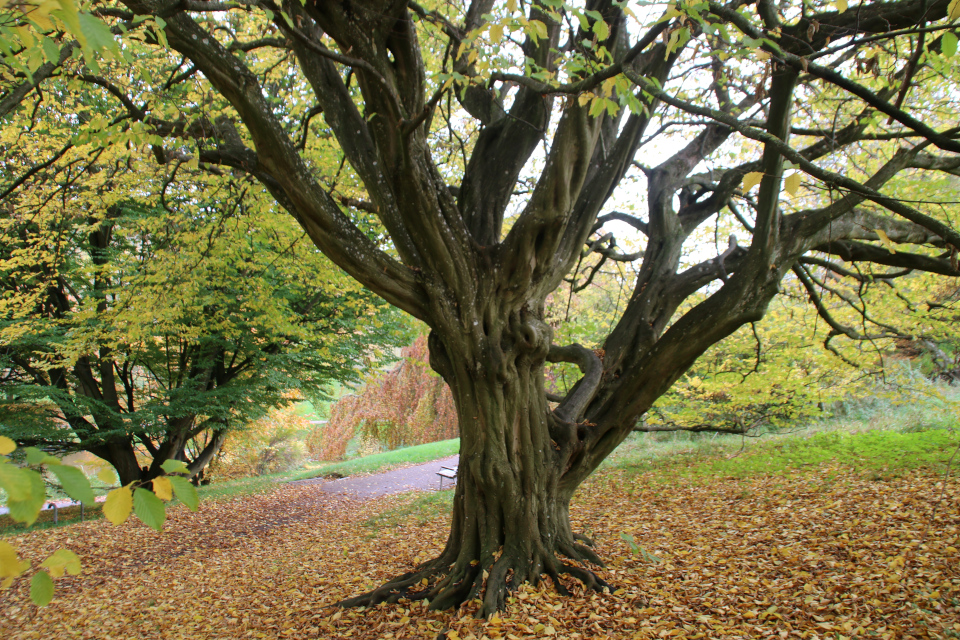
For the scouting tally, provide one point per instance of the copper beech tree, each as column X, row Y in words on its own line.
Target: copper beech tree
column 497, row 141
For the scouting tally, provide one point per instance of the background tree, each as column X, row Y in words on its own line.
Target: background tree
column 405, row 406
column 493, row 139
column 145, row 333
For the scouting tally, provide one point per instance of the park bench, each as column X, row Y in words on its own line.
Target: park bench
column 447, row 472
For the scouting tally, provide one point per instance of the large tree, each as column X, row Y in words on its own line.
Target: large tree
column 493, row 139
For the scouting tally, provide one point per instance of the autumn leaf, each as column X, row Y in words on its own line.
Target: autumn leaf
column 7, row 445
column 751, row 180
column 60, row 561
column 885, row 239
column 163, row 488
column 792, row 183
column 118, row 505
column 10, row 565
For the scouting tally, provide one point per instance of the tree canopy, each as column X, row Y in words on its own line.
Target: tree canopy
column 752, row 147
column 146, row 313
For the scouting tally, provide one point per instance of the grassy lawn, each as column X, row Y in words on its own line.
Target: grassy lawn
column 385, row 461
column 877, row 436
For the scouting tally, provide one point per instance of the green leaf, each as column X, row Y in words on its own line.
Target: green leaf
column 537, row 30
column 26, row 499
column 98, row 35
column 70, row 16
column 41, row 588
column 601, row 29
column 149, row 508
column 186, row 492
column 174, row 466
column 75, row 484
column 35, row 456
column 15, row 481
column 51, row 50
column 628, row 538
column 106, row 475
column 948, row 44
column 60, row 561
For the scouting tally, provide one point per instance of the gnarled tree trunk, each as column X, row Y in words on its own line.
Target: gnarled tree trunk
column 511, row 509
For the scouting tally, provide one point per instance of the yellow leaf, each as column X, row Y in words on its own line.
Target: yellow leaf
column 163, row 488
column 841, row 5
column 10, row 565
column 62, row 561
column 751, row 180
column 106, row 475
column 7, row 445
column 792, row 183
column 118, row 505
column 539, row 30
column 608, row 86
column 26, row 36
column 496, row 33
column 885, row 239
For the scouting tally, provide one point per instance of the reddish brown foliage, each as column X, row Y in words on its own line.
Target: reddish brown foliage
column 406, row 406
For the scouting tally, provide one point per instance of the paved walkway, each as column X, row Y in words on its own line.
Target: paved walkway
column 422, row 477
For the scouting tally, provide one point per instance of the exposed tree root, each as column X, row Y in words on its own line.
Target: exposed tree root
column 448, row 587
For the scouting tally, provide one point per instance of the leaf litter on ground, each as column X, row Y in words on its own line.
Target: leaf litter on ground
column 825, row 552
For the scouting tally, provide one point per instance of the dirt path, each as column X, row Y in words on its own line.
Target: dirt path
column 422, row 477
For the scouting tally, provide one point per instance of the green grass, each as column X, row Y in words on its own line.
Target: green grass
column 877, row 452
column 65, row 516
column 419, row 508
column 387, row 460
column 878, row 437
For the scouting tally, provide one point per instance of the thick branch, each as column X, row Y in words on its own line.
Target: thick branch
column 572, row 406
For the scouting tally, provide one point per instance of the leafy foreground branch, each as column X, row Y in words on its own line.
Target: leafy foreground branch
column 26, row 495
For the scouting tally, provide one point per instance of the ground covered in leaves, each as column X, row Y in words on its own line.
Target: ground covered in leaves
column 826, row 552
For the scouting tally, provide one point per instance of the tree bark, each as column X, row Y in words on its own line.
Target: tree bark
column 511, row 511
